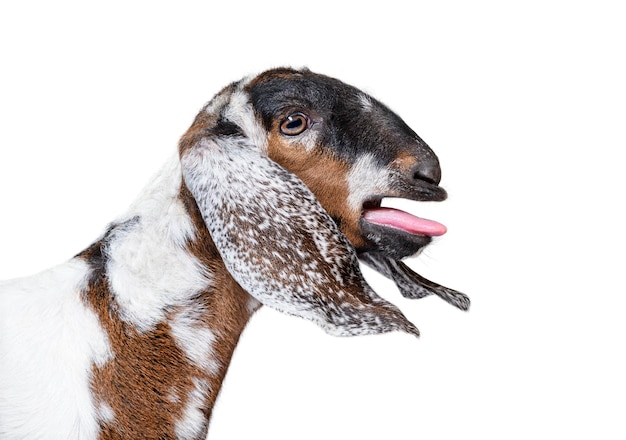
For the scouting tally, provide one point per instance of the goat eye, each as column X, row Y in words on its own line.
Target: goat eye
column 294, row 124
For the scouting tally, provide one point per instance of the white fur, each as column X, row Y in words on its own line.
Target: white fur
column 366, row 102
column 240, row 112
column 105, row 413
column 149, row 267
column 196, row 340
column 49, row 341
column 365, row 178
column 193, row 420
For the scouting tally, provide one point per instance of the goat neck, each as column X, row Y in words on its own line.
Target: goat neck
column 172, row 313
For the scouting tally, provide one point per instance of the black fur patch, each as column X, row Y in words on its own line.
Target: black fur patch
column 349, row 128
column 224, row 127
column 96, row 254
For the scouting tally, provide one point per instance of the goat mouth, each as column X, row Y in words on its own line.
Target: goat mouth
column 395, row 218
column 394, row 232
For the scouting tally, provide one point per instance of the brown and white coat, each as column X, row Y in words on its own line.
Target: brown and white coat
column 272, row 198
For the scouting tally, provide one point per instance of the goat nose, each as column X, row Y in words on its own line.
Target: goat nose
column 427, row 169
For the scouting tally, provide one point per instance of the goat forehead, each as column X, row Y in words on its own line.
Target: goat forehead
column 274, row 94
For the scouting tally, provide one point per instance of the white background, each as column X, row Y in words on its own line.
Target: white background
column 524, row 103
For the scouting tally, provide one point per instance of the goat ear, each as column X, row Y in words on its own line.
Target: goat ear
column 277, row 241
column 412, row 285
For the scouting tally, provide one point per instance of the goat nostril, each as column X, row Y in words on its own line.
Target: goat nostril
column 427, row 171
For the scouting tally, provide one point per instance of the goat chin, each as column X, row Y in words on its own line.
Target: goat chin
column 262, row 205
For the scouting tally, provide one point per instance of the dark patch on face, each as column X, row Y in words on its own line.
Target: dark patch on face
column 347, row 128
column 226, row 128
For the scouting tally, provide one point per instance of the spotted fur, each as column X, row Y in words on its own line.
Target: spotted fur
column 132, row 338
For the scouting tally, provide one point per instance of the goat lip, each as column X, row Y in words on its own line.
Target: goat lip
column 422, row 192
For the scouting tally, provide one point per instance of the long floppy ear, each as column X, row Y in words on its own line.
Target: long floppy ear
column 412, row 285
column 274, row 237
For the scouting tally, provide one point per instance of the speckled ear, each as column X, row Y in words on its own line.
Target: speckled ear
column 412, row 285
column 278, row 242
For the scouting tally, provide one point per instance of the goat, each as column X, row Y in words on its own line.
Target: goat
column 273, row 196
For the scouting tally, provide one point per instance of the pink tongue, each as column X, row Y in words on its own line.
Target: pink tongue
column 402, row 220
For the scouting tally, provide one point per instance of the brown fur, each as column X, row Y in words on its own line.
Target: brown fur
column 196, row 132
column 145, row 370
column 405, row 161
column 228, row 303
column 149, row 378
column 325, row 175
